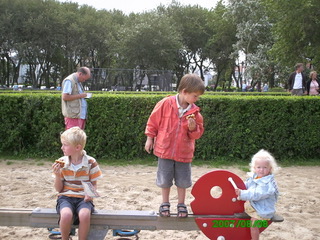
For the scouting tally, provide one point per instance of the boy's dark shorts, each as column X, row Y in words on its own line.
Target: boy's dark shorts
column 169, row 170
column 75, row 204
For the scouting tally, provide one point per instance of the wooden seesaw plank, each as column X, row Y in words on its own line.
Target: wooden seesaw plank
column 109, row 219
column 101, row 219
column 15, row 217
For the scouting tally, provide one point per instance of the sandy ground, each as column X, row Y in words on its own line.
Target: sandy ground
column 28, row 184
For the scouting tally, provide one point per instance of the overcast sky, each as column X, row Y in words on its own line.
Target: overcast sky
column 138, row 6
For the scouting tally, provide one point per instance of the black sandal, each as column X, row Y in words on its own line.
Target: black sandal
column 182, row 209
column 164, row 208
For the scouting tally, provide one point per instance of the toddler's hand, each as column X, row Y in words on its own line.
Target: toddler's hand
column 149, row 144
column 237, row 191
column 192, row 124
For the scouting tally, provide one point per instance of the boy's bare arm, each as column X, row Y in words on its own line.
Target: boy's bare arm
column 58, row 183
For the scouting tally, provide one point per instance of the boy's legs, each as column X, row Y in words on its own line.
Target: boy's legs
column 181, row 195
column 84, row 210
column 165, row 176
column 181, row 198
column 84, row 223
column 165, row 199
column 181, row 172
column 165, row 194
column 65, row 209
column 66, row 218
column 183, row 181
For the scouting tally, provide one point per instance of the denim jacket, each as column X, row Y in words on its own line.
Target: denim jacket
column 262, row 193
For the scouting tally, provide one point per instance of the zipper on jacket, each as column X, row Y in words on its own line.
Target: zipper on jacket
column 175, row 142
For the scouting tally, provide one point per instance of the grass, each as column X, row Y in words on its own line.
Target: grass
column 218, row 162
column 299, row 162
column 150, row 161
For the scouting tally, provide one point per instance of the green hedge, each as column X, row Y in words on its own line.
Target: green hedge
column 240, row 126
column 220, row 93
column 235, row 126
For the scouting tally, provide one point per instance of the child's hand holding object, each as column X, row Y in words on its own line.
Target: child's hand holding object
column 237, row 191
column 58, row 164
column 191, row 122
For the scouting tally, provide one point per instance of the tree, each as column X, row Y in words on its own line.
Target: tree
column 11, row 17
column 254, row 39
column 296, row 29
column 149, row 41
column 191, row 24
column 40, row 33
column 220, row 45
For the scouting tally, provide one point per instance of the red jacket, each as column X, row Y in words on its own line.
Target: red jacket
column 172, row 138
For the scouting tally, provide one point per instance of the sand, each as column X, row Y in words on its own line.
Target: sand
column 28, row 184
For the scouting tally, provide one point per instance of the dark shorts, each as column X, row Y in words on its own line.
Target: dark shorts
column 169, row 170
column 75, row 204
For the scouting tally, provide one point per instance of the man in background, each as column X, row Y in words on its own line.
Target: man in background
column 74, row 104
column 297, row 81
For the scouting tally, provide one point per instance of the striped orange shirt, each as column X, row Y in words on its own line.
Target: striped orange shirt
column 89, row 171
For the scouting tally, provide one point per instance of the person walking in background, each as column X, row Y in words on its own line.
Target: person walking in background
column 313, row 84
column 265, row 87
column 74, row 104
column 297, row 81
column 244, row 87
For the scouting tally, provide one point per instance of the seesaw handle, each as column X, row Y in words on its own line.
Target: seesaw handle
column 232, row 182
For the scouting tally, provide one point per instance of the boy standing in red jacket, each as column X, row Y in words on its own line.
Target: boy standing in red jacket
column 173, row 126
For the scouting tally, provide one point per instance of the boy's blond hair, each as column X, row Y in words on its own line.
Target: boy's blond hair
column 191, row 83
column 266, row 156
column 74, row 136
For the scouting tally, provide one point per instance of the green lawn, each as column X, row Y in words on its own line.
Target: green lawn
column 152, row 161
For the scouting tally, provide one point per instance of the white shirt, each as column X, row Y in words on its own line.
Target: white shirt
column 298, row 81
column 76, row 167
column 181, row 109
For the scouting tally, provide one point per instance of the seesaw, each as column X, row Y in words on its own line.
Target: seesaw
column 218, row 217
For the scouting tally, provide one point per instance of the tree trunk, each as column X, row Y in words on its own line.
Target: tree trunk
column 271, row 78
column 218, row 78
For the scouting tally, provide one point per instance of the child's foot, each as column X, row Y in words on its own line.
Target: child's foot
column 164, row 209
column 182, row 210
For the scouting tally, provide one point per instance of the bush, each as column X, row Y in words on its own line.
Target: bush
column 235, row 126
column 240, row 126
column 277, row 89
column 250, row 93
column 30, row 124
